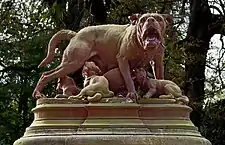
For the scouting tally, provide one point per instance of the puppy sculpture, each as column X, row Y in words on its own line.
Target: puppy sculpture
column 67, row 86
column 122, row 46
column 162, row 88
column 95, row 87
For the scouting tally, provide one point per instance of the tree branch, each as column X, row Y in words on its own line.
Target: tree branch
column 2, row 64
column 220, row 59
column 218, row 24
column 163, row 8
column 182, row 11
column 222, row 6
column 18, row 69
column 216, row 8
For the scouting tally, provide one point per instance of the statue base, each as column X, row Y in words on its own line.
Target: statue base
column 71, row 122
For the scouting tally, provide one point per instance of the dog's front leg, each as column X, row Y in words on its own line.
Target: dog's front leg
column 150, row 93
column 125, row 71
column 158, row 64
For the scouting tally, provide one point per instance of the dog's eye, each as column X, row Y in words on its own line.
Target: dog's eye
column 159, row 19
column 142, row 20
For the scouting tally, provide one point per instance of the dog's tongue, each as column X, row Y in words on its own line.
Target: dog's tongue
column 150, row 41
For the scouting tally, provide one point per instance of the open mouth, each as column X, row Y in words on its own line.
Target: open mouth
column 151, row 37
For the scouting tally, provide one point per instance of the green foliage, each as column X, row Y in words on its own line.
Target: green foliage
column 213, row 126
column 25, row 34
column 26, row 28
column 174, row 63
column 120, row 10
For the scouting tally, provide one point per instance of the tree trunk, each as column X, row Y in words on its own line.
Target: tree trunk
column 74, row 14
column 196, row 48
column 98, row 11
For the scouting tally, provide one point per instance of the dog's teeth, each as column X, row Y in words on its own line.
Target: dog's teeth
column 151, row 38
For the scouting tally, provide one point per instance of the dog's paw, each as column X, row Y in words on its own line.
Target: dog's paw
column 147, row 95
column 166, row 97
column 37, row 95
column 128, row 100
column 73, row 97
column 133, row 96
column 61, row 96
column 184, row 100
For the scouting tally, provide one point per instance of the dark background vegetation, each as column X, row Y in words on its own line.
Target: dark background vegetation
column 191, row 59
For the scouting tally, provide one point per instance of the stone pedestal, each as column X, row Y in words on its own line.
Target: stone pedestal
column 69, row 122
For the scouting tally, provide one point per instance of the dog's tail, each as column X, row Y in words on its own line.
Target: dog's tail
column 55, row 40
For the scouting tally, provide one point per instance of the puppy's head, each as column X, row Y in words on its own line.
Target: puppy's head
column 90, row 68
column 150, row 28
column 60, row 83
column 141, row 75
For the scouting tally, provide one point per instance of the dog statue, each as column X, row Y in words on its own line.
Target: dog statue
column 67, row 86
column 95, row 87
column 163, row 88
column 122, row 46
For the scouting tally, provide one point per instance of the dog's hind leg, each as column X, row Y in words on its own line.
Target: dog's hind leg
column 76, row 62
column 64, row 69
column 173, row 90
column 39, row 87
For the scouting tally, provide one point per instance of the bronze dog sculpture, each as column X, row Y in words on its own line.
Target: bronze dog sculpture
column 122, row 46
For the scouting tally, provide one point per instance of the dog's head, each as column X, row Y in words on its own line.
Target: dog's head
column 150, row 28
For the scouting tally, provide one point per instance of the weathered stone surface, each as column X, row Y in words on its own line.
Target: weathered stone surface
column 63, row 122
column 113, row 140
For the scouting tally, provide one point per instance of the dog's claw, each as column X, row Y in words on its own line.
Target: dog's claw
column 133, row 95
column 34, row 94
column 37, row 95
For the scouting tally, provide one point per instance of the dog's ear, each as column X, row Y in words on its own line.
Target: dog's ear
column 169, row 23
column 84, row 70
column 168, row 18
column 133, row 18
